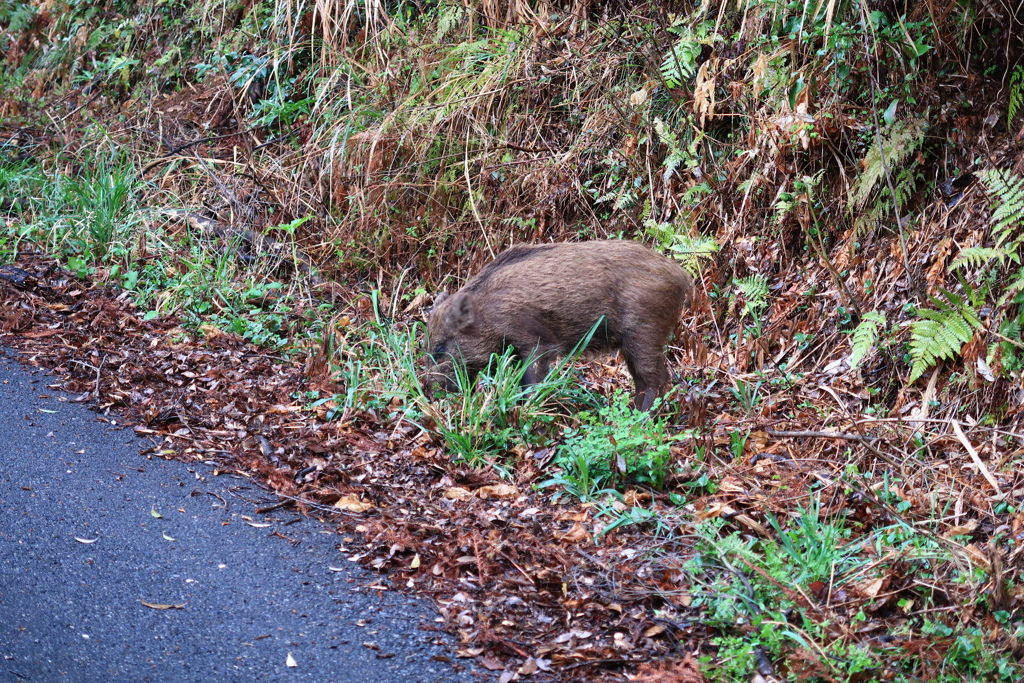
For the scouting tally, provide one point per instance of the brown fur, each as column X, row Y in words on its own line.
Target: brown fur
column 543, row 300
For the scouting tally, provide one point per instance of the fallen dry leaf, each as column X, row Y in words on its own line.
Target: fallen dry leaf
column 212, row 332
column 871, row 589
column 157, row 605
column 577, row 534
column 458, row 493
column 654, row 631
column 353, row 504
column 497, row 491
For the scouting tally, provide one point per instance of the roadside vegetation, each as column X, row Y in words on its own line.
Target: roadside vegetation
column 831, row 489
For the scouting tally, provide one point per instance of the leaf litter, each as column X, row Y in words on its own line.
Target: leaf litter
column 522, row 582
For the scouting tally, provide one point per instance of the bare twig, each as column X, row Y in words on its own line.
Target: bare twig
column 975, row 457
column 180, row 148
column 823, row 435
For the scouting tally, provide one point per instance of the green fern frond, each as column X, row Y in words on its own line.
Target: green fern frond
column 680, row 62
column 449, row 19
column 940, row 333
column 897, row 144
column 755, row 292
column 783, row 205
column 1016, row 94
column 976, row 257
column 967, row 309
column 678, row 154
column 1011, row 329
column 865, row 336
column 665, row 233
column 869, row 220
column 1006, row 189
column 682, row 59
column 1015, row 287
column 17, row 16
column 952, row 299
column 694, row 252
column 928, row 347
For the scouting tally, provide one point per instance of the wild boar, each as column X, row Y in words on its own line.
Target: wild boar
column 542, row 300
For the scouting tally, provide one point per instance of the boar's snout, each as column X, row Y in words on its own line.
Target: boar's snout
column 439, row 376
column 449, row 329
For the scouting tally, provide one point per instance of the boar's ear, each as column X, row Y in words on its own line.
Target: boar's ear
column 461, row 315
column 439, row 298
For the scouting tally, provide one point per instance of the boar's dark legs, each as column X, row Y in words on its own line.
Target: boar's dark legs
column 649, row 371
column 644, row 401
column 539, row 364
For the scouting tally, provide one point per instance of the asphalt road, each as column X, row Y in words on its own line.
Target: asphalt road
column 81, row 549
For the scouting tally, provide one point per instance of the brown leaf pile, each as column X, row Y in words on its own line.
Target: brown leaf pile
column 526, row 585
column 520, row 581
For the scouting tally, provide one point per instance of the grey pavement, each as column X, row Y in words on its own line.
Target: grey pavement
column 81, row 549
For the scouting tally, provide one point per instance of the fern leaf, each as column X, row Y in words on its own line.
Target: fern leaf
column 865, row 336
column 896, row 146
column 1015, row 287
column 448, row 20
column 1010, row 329
column 694, row 251
column 929, row 314
column 755, row 291
column 970, row 315
column 940, row 333
column 952, row 341
column 920, row 349
column 952, row 299
column 976, row 257
column 1016, row 94
column 973, row 319
column 1006, row 190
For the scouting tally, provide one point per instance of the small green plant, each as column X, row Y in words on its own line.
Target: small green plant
column 490, row 413
column 678, row 155
column 890, row 159
column 694, row 252
column 738, row 442
column 484, row 427
column 755, row 294
column 375, row 364
column 260, row 327
column 102, row 203
column 813, row 547
column 18, row 182
column 752, row 291
column 865, row 336
column 682, row 59
column 747, row 395
column 633, row 516
column 1006, row 190
column 823, row 556
column 942, row 332
column 1016, row 102
column 614, row 446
